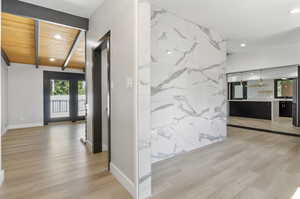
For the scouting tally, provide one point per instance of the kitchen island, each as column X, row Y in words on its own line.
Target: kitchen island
column 267, row 109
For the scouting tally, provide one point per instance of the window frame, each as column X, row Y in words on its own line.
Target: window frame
column 276, row 89
column 232, row 93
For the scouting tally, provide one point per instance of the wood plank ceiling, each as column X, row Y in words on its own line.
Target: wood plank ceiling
column 55, row 42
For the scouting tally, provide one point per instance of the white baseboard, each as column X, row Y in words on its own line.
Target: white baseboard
column 1, row 177
column 89, row 146
column 123, row 179
column 4, row 131
column 23, row 126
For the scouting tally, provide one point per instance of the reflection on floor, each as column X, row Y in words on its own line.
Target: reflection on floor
column 247, row 165
column 283, row 124
column 50, row 162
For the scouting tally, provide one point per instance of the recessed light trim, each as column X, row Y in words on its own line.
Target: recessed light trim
column 295, row 11
column 57, row 36
column 52, row 59
column 169, row 52
column 243, row 45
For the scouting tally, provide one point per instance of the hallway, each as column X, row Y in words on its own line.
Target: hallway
column 51, row 162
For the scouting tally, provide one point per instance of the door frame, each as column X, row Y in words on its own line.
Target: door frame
column 73, row 78
column 104, row 43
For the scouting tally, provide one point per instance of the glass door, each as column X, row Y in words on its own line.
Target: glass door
column 59, row 99
column 64, row 97
column 81, row 111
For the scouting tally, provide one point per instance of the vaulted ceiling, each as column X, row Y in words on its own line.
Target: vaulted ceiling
column 55, row 43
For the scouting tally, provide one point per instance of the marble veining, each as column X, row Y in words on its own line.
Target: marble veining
column 188, row 85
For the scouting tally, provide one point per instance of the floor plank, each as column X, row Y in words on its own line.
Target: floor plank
column 50, row 162
column 281, row 124
column 248, row 164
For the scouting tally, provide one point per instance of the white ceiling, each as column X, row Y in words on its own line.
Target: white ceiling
column 241, row 21
column 82, row 8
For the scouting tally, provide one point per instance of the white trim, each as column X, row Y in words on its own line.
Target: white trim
column 1, row 177
column 89, row 146
column 23, row 126
column 123, row 179
column 104, row 147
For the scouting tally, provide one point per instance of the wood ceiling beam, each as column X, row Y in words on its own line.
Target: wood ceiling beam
column 41, row 13
column 37, row 43
column 5, row 57
column 72, row 49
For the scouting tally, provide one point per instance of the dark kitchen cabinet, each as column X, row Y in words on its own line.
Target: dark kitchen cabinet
column 285, row 109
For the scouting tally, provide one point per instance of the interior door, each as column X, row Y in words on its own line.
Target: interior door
column 102, row 98
column 105, row 100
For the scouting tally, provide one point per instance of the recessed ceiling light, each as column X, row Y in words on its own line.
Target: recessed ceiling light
column 243, row 45
column 295, row 11
column 57, row 36
column 169, row 52
column 52, row 59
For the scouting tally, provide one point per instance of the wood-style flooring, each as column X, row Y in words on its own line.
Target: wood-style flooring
column 51, row 163
column 247, row 165
column 281, row 124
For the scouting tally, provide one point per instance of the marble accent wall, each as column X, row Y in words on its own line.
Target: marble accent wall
column 188, row 85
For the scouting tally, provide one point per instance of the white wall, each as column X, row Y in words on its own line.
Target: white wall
column 4, row 97
column 25, row 95
column 119, row 17
column 263, row 58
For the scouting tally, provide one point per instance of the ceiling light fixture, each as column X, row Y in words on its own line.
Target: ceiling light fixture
column 243, row 45
column 57, row 36
column 52, row 59
column 169, row 52
column 295, row 11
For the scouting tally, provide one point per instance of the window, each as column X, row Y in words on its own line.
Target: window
column 238, row 90
column 284, row 88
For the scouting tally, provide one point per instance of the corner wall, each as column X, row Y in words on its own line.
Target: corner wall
column 119, row 17
column 188, row 85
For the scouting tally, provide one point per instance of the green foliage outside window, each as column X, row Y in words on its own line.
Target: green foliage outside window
column 62, row 87
column 81, row 88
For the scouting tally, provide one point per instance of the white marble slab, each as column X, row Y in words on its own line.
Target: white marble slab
column 188, row 85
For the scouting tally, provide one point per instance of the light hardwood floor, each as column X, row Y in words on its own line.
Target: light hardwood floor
column 282, row 124
column 51, row 163
column 247, row 165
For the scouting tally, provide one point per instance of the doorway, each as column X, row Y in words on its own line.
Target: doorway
column 64, row 97
column 102, row 97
